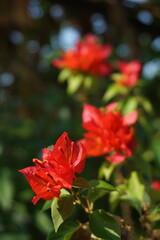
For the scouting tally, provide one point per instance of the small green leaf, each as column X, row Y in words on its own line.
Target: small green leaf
column 60, row 210
column 74, row 83
column 155, row 214
column 135, row 187
column 146, row 104
column 81, row 183
column 47, row 205
column 64, row 75
column 99, row 188
column 134, row 191
column 130, row 105
column 114, row 90
column 104, row 226
column 106, row 170
column 88, row 81
column 113, row 200
column 65, row 231
column 99, row 184
column 64, row 193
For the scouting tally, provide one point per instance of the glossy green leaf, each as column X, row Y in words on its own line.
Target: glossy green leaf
column 65, row 231
column 99, row 188
column 81, row 183
column 104, row 226
column 99, row 184
column 60, row 210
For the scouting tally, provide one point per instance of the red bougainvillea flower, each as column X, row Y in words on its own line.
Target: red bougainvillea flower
column 129, row 73
column 156, row 185
column 57, row 168
column 88, row 56
column 108, row 132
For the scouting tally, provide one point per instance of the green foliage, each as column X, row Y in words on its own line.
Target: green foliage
column 99, row 188
column 60, row 210
column 134, row 191
column 65, row 231
column 104, row 226
column 113, row 91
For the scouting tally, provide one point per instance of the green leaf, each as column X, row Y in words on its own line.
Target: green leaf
column 65, row 231
column 99, row 188
column 146, row 104
column 135, row 191
column 155, row 214
column 60, row 210
column 81, row 183
column 47, row 205
column 135, row 187
column 106, row 170
column 114, row 90
column 88, row 81
column 113, row 200
column 74, row 83
column 104, row 226
column 99, row 184
column 64, row 74
column 130, row 105
column 64, row 193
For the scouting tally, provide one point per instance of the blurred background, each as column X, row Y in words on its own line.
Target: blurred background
column 35, row 109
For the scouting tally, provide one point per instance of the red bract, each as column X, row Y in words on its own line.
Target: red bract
column 88, row 56
column 129, row 73
column 156, row 185
column 108, row 132
column 57, row 168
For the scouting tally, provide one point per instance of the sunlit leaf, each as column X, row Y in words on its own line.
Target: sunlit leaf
column 130, row 105
column 114, row 90
column 60, row 210
column 64, row 74
column 74, row 82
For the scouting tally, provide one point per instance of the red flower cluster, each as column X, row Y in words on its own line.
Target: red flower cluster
column 156, row 185
column 57, row 168
column 108, row 132
column 129, row 73
column 88, row 56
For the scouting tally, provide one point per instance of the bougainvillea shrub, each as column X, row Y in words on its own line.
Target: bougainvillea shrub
column 122, row 201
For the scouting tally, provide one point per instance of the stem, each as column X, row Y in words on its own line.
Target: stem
column 87, row 206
